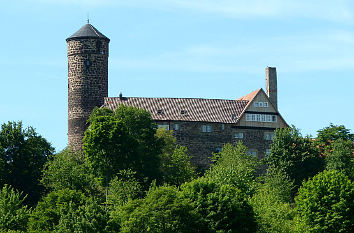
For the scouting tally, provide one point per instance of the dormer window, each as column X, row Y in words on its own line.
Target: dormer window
column 159, row 111
column 183, row 112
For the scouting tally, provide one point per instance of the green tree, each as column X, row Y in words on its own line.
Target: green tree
column 234, row 167
column 295, row 155
column 334, row 132
column 339, row 156
column 24, row 153
column 326, row 202
column 68, row 169
column 124, row 187
column 162, row 210
column 124, row 139
column 223, row 207
column 90, row 218
column 13, row 214
column 176, row 166
column 48, row 212
column 2, row 166
column 271, row 203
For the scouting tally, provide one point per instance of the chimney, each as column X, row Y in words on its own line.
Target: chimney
column 271, row 85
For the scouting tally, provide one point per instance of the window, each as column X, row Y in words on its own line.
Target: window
column 176, row 127
column 206, row 128
column 252, row 152
column 261, row 104
column 218, row 149
column 258, row 117
column 159, row 111
column 267, row 152
column 261, row 117
column 183, row 112
column 165, row 126
column 269, row 118
column 222, row 126
column 248, row 117
column 239, row 135
column 274, row 118
column 268, row 135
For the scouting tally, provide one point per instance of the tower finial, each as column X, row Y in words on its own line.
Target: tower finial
column 88, row 18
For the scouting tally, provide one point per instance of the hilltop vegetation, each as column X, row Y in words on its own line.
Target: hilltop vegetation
column 131, row 177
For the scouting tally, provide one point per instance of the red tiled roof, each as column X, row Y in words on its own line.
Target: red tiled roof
column 250, row 96
column 204, row 110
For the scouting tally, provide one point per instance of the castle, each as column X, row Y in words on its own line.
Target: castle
column 202, row 125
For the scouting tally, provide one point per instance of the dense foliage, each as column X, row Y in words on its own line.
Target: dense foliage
column 13, row 214
column 23, row 155
column 295, row 155
column 123, row 139
column 131, row 177
column 234, row 167
column 326, row 202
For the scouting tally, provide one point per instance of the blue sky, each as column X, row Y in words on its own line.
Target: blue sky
column 182, row 48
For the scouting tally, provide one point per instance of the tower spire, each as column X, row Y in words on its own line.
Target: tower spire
column 88, row 18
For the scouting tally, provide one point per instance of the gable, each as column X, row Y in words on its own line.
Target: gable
column 260, row 112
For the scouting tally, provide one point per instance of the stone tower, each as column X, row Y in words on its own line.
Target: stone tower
column 87, row 79
column 271, row 85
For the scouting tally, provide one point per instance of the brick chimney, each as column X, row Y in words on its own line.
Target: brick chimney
column 271, row 85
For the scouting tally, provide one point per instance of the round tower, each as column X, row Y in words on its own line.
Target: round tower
column 87, row 79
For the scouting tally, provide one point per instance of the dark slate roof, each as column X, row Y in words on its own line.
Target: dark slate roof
column 87, row 31
column 203, row 110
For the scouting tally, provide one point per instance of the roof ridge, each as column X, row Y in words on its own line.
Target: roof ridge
column 191, row 98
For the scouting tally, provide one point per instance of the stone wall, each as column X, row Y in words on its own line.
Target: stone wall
column 201, row 145
column 87, row 84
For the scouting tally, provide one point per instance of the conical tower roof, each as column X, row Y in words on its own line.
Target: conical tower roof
column 87, row 31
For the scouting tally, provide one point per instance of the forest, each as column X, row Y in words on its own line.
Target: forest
column 132, row 177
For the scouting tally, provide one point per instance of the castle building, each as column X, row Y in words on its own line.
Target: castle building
column 202, row 125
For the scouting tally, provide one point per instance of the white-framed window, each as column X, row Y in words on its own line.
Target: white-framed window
column 248, row 117
column 252, row 152
column 165, row 126
column 222, row 126
column 274, row 118
column 206, row 128
column 238, row 135
column 258, row 117
column 261, row 104
column 269, row 118
column 267, row 152
column 261, row 117
column 176, row 126
column 268, row 136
